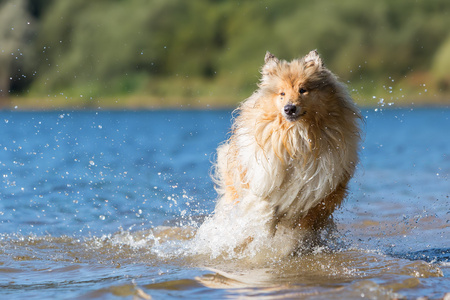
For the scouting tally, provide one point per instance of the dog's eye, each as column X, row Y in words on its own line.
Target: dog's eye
column 302, row 91
column 282, row 94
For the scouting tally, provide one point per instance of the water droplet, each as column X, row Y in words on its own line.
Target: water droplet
column 102, row 217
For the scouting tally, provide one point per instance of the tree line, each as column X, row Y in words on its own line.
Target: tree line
column 212, row 48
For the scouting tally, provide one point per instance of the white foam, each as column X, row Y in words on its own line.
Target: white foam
column 242, row 230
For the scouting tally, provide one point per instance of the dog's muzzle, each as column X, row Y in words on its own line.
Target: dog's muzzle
column 292, row 112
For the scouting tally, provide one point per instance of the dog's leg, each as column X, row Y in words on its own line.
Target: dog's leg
column 318, row 217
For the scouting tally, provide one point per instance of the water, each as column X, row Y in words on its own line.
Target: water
column 105, row 205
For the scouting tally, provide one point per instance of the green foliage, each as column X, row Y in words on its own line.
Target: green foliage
column 441, row 65
column 207, row 48
column 15, row 30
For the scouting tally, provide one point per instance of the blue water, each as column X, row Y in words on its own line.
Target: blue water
column 82, row 194
column 91, row 172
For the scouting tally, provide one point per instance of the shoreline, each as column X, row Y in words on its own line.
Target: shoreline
column 143, row 102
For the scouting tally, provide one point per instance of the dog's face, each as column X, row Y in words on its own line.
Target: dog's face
column 301, row 89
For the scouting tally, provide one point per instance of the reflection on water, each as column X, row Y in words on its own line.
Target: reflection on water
column 141, row 257
column 112, row 212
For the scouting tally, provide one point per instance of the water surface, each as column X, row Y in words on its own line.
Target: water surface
column 105, row 205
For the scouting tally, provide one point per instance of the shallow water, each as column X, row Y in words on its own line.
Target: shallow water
column 105, row 205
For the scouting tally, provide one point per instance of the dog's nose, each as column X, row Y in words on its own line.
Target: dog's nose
column 290, row 109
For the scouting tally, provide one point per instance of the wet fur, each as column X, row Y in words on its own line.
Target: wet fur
column 298, row 166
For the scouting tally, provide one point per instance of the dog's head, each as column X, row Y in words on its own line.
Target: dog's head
column 303, row 89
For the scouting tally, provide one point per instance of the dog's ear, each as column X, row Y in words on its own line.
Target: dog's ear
column 313, row 59
column 270, row 65
column 270, row 57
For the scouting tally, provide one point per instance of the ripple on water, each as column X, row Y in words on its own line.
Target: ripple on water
column 108, row 262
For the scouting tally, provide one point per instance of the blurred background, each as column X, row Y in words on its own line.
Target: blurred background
column 173, row 53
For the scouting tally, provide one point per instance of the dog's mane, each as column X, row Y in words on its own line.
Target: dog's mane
column 307, row 137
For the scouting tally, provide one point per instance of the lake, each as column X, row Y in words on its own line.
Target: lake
column 105, row 205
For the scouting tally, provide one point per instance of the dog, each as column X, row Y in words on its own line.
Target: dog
column 292, row 150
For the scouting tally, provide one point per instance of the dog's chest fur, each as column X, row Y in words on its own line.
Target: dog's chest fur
column 291, row 182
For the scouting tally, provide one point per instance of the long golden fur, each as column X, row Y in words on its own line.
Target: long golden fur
column 293, row 148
